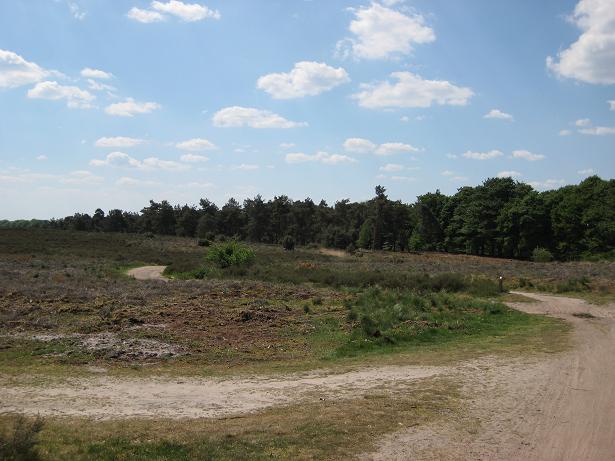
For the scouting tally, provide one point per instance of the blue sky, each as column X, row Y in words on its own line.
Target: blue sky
column 110, row 104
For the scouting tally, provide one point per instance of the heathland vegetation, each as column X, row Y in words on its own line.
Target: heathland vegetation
column 500, row 218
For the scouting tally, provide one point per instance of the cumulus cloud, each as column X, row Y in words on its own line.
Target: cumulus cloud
column 196, row 145
column 123, row 160
column 307, row 78
column 583, row 122
column 499, row 115
column 379, row 32
column 246, row 167
column 96, row 73
column 565, row 133
column 237, row 116
column 402, row 178
column 126, row 181
column 527, row 155
column 612, row 104
column 322, row 157
column 287, row 145
column 193, row 158
column 75, row 97
column 15, row 71
column 365, row 146
column 359, row 145
column 187, row 12
column 598, row 130
column 391, row 167
column 591, row 58
column 508, row 174
column 130, row 108
column 118, row 141
column 547, row 184
column 483, row 155
column 41, row 158
column 586, row 172
column 144, row 16
column 411, row 90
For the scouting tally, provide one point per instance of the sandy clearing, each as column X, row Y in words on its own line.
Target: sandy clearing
column 148, row 273
column 544, row 410
column 108, row 398
column 333, row 252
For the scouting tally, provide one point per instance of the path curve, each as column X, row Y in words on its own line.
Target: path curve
column 557, row 409
column 148, row 273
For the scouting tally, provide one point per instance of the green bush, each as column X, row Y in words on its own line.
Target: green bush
column 230, row 254
column 20, row 443
column 541, row 255
column 288, row 243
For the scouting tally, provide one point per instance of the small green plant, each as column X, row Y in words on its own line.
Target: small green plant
column 541, row 255
column 230, row 254
column 20, row 443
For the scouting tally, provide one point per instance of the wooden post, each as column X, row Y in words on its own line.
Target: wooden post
column 501, row 283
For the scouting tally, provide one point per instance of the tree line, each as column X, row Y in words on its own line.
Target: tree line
column 501, row 217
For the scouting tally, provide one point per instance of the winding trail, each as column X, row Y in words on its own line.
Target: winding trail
column 536, row 409
column 148, row 273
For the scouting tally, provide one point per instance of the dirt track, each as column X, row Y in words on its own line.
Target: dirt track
column 562, row 408
column 148, row 273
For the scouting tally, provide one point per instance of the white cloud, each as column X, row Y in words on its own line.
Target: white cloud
column 200, row 185
column 123, row 160
column 76, row 98
column 130, row 107
column 96, row 73
column 565, row 133
column 527, row 155
column 188, row 12
column 547, row 184
column 126, row 181
column 359, row 145
column 411, row 90
column 391, row 167
column 498, row 114
column 483, row 155
column 287, row 145
column 41, row 158
column 237, row 116
column 448, row 173
column 246, row 167
column 598, row 130
column 75, row 10
column 193, row 158
column 591, row 58
column 322, row 157
column 404, row 118
column 118, row 141
column 98, row 86
column 583, row 122
column 365, row 146
column 81, row 177
column 307, row 78
column 586, row 172
column 15, row 71
column 390, row 148
column 144, row 16
column 508, row 174
column 451, row 156
column 612, row 104
column 196, row 145
column 402, row 178
column 380, row 32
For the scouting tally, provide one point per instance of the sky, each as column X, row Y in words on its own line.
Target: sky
column 111, row 104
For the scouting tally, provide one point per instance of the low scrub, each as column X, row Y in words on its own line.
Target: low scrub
column 19, row 444
column 386, row 317
column 230, row 254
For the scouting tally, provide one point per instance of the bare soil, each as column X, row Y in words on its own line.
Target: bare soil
column 148, row 273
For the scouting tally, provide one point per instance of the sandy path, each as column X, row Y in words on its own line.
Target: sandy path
column 148, row 273
column 105, row 398
column 545, row 410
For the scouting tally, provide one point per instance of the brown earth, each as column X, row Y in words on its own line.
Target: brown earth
column 148, row 273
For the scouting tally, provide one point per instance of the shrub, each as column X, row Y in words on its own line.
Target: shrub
column 230, row 254
column 541, row 255
column 20, row 443
column 288, row 243
column 203, row 242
